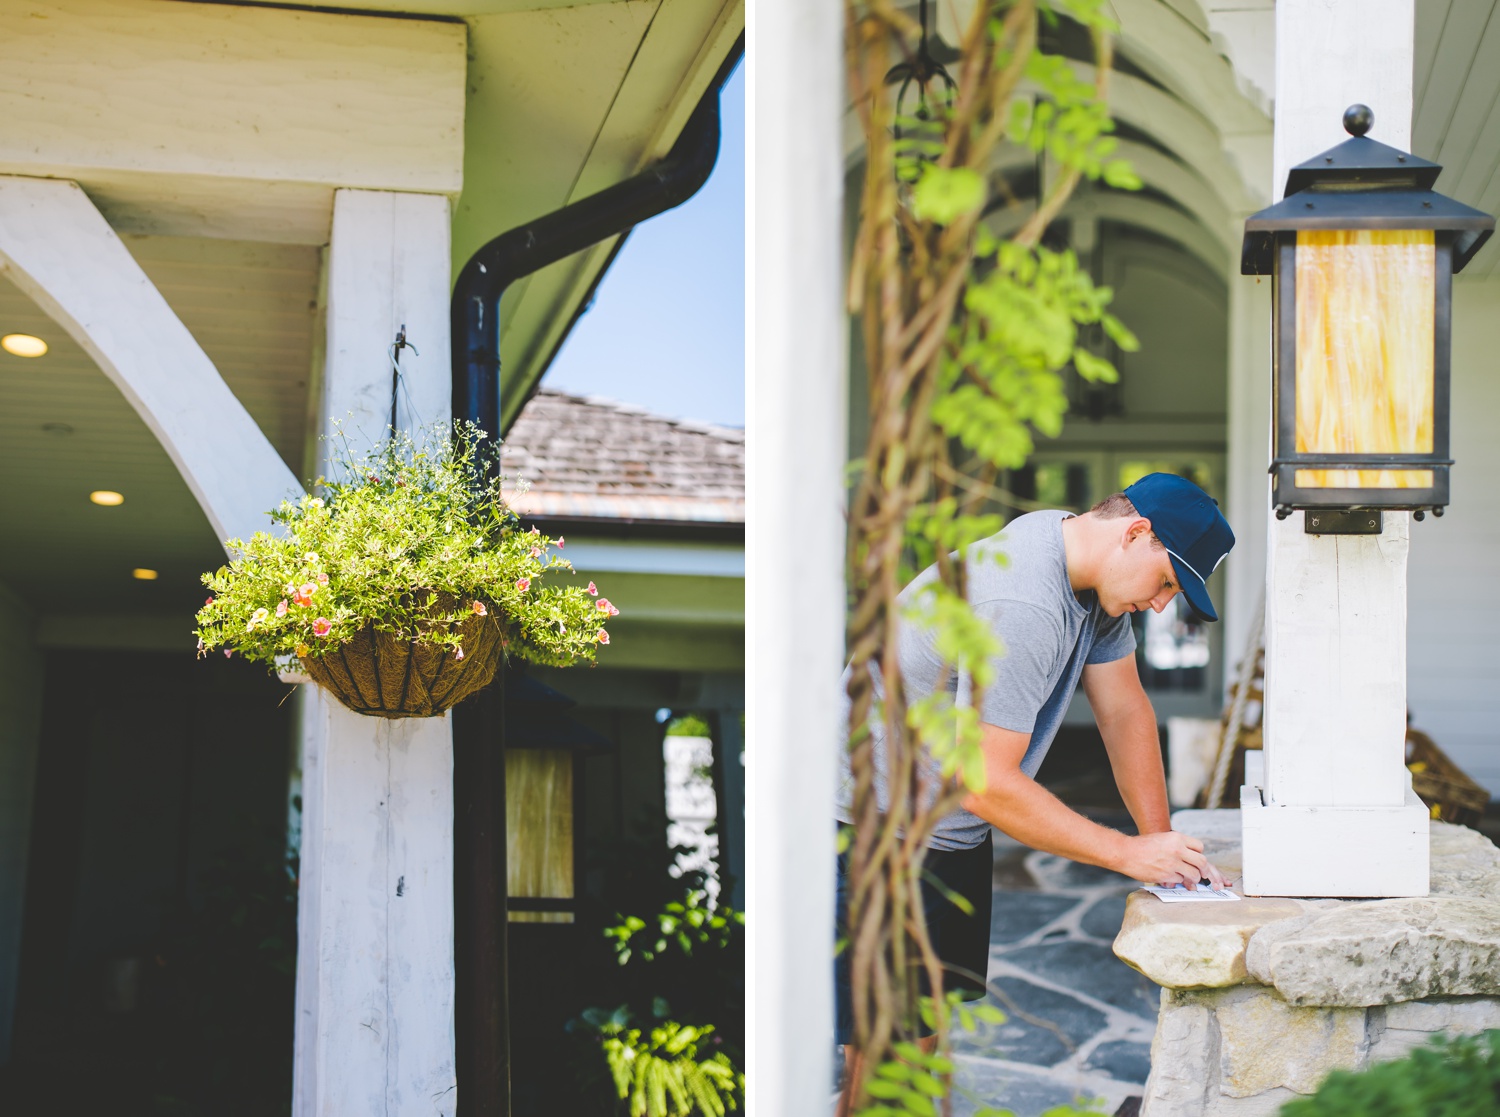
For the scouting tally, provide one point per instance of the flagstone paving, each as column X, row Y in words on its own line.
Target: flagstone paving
column 1079, row 1021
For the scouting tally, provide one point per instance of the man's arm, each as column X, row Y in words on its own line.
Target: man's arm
column 1017, row 804
column 1128, row 725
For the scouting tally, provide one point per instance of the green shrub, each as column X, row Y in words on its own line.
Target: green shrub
column 1451, row 1078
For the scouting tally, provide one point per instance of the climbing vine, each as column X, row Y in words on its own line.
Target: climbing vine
column 966, row 336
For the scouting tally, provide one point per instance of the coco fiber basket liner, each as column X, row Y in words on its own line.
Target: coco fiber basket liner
column 385, row 676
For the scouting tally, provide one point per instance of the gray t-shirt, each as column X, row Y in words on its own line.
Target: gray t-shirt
column 1049, row 636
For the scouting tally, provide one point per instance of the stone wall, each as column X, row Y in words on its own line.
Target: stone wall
column 1244, row 1051
column 1262, row 998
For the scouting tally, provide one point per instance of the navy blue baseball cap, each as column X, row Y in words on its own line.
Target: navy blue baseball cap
column 1189, row 524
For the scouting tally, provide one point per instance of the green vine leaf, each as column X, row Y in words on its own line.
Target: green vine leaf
column 944, row 194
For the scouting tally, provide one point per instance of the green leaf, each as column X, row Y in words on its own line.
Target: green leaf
column 1094, row 368
column 944, row 194
column 1121, row 175
column 1119, row 334
column 957, row 899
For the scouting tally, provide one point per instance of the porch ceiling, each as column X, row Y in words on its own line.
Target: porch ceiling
column 1456, row 118
column 65, row 430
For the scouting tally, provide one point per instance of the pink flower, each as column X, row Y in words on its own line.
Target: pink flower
column 322, row 626
column 479, row 609
column 210, row 601
column 535, row 530
column 523, row 584
column 228, row 652
column 458, row 654
column 322, row 579
column 281, row 608
column 535, row 553
column 559, row 542
column 307, row 589
column 605, row 607
column 593, row 590
column 603, row 637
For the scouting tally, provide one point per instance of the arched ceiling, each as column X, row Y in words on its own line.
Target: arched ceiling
column 1195, row 130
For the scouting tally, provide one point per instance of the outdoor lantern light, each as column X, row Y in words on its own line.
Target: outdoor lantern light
column 1362, row 253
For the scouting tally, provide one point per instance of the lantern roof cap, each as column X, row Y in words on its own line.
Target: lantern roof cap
column 1363, row 209
column 1363, row 184
column 1362, row 162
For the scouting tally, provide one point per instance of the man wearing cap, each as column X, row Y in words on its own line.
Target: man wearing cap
column 1061, row 605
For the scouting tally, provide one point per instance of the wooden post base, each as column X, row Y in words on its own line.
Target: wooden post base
column 1334, row 851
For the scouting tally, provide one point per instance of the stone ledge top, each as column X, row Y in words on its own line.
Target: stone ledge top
column 1328, row 952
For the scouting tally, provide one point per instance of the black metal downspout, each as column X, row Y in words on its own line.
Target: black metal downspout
column 479, row 862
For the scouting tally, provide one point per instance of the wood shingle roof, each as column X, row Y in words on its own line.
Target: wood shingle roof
column 593, row 458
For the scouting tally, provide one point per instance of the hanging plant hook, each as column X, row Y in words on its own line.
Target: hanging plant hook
column 395, row 355
column 922, row 69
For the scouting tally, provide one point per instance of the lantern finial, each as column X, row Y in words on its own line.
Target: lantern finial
column 1358, row 119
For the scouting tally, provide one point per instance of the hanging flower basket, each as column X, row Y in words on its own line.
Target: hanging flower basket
column 400, row 588
column 385, row 676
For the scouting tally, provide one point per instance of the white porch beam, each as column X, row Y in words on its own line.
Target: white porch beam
column 1162, row 173
column 796, row 434
column 375, row 975
column 1336, row 815
column 58, row 249
column 229, row 120
column 1144, row 213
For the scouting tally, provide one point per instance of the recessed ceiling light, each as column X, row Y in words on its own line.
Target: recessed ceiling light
column 23, row 345
column 143, row 574
column 106, row 497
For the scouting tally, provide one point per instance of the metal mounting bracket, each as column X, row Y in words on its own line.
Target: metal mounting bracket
column 1324, row 521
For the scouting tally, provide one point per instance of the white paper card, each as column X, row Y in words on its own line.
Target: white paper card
column 1181, row 894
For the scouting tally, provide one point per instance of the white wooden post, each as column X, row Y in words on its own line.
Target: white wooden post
column 375, row 1023
column 1336, row 815
column 797, row 406
column 1248, row 486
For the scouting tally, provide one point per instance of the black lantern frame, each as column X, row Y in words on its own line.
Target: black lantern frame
column 1357, row 186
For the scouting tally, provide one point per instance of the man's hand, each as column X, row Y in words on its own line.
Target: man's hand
column 1168, row 858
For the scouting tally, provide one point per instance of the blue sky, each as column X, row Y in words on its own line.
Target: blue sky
column 667, row 328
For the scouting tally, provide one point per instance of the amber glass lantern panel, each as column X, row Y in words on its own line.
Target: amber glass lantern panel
column 539, row 830
column 1365, row 319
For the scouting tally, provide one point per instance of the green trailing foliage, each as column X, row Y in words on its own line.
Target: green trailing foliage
column 682, row 926
column 688, row 725
column 686, row 962
column 1449, row 1078
column 968, row 339
column 412, row 540
column 661, row 1074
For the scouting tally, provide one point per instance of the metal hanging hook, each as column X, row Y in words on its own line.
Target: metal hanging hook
column 395, row 355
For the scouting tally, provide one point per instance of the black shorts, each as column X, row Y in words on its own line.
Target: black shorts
column 962, row 941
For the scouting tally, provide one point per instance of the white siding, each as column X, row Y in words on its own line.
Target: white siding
column 1453, row 673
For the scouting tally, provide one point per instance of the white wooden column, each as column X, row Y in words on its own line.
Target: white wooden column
column 797, row 405
column 1248, row 487
column 375, row 1024
column 1336, row 815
